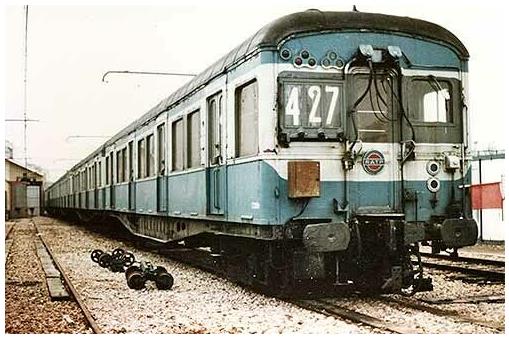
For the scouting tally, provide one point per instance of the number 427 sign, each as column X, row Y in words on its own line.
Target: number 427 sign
column 314, row 106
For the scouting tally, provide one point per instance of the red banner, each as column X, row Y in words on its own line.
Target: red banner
column 486, row 196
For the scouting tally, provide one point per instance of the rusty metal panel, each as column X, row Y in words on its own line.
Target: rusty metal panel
column 303, row 179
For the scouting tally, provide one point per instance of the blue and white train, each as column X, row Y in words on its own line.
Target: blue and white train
column 324, row 149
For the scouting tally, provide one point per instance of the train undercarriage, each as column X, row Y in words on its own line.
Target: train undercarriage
column 370, row 255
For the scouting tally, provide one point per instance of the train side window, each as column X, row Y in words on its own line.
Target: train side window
column 193, row 139
column 214, row 108
column 107, row 170
column 120, row 168
column 130, row 170
column 150, row 156
column 124, row 165
column 246, row 119
column 141, row 158
column 89, row 173
column 431, row 101
column 161, row 149
column 112, row 173
column 177, row 145
column 99, row 174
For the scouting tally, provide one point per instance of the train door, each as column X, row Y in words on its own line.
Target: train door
column 132, row 183
column 112, row 186
column 162, row 185
column 374, row 181
column 216, row 168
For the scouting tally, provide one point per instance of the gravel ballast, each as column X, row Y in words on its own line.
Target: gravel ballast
column 200, row 302
column 28, row 308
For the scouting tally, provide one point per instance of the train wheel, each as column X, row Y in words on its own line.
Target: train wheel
column 164, row 281
column 132, row 269
column 136, row 280
column 95, row 255
column 118, row 252
column 105, row 260
column 128, row 259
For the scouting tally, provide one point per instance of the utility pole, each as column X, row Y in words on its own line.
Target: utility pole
column 25, row 92
column 480, row 183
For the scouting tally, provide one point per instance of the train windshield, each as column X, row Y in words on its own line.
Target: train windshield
column 433, row 105
column 376, row 111
column 431, row 100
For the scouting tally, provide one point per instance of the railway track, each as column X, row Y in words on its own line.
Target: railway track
column 464, row 259
column 202, row 260
column 488, row 270
column 8, row 240
column 330, row 309
column 9, row 229
column 454, row 314
column 205, row 260
column 86, row 312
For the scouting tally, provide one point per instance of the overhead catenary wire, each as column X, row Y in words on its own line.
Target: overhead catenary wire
column 149, row 73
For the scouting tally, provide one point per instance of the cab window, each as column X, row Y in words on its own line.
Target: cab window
column 431, row 101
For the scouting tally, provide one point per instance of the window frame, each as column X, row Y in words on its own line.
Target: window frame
column 118, row 171
column 150, row 148
column 237, row 113
column 174, row 148
column 140, row 158
column 188, row 159
column 454, row 101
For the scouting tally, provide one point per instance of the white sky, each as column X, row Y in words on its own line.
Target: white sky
column 70, row 47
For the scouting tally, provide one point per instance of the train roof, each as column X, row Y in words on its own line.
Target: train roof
column 269, row 36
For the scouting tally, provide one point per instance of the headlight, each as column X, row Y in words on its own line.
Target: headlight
column 433, row 184
column 432, row 167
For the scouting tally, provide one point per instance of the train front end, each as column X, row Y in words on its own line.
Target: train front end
column 372, row 140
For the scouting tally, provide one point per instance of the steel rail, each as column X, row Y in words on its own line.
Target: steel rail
column 472, row 260
column 90, row 319
column 9, row 230
column 329, row 309
column 497, row 276
column 406, row 302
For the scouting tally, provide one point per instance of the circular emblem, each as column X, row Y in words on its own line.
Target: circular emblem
column 373, row 162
